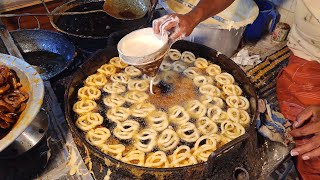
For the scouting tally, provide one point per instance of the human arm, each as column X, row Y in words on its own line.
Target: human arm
column 183, row 25
column 308, row 126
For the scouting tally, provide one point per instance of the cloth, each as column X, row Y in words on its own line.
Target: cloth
column 272, row 124
column 298, row 86
column 304, row 38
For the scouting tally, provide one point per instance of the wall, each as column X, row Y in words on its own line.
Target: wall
column 286, row 8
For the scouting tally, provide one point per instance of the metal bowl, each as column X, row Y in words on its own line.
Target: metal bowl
column 33, row 84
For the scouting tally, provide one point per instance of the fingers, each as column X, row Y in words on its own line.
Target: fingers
column 177, row 35
column 303, row 116
column 308, row 129
column 157, row 22
column 306, row 149
column 313, row 154
column 169, row 24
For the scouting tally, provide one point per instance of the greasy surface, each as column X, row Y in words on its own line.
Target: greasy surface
column 130, row 171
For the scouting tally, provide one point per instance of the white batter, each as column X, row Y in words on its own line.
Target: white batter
column 142, row 44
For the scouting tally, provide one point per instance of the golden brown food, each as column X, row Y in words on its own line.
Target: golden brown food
column 195, row 108
column 13, row 99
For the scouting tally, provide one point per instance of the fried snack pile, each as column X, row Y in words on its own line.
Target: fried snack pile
column 12, row 99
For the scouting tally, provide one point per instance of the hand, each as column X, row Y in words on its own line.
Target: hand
column 180, row 26
column 308, row 124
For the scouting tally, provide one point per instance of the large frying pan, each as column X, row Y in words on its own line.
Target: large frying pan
column 49, row 50
column 33, row 84
column 90, row 32
column 231, row 152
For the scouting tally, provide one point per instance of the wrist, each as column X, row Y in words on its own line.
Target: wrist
column 196, row 17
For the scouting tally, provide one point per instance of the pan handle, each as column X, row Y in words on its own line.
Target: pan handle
column 154, row 4
column 219, row 152
column 19, row 23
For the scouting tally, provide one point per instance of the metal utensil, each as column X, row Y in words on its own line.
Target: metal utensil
column 218, row 18
column 127, row 9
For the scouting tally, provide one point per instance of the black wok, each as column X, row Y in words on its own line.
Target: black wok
column 221, row 163
column 90, row 32
column 52, row 52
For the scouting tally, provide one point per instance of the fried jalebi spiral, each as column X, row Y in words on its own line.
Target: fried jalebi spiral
column 210, row 100
column 89, row 92
column 107, row 69
column 179, row 66
column 201, row 63
column 98, row 136
column 158, row 120
column 135, row 157
column 206, row 126
column 195, row 109
column 182, row 157
column 165, row 66
column 136, row 97
column 188, row 132
column 214, row 112
column 132, row 71
column 213, row 70
column 168, row 140
column 174, row 54
column 178, row 115
column 114, row 88
column 114, row 100
column 138, row 85
column 146, row 140
column 191, row 72
column 96, row 80
column 224, row 140
column 238, row 102
column 89, row 121
column 202, row 80
column 120, row 78
column 188, row 57
column 224, row 78
column 142, row 110
column 231, row 129
column 116, row 61
column 222, row 117
column 204, row 146
column 84, row 106
column 118, row 114
column 157, row 159
column 209, row 89
column 114, row 151
column 126, row 130
column 238, row 116
column 231, row 90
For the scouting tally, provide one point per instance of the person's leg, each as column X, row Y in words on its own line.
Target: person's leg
column 298, row 86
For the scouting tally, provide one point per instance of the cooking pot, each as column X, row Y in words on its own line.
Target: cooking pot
column 90, row 32
column 32, row 83
column 229, row 153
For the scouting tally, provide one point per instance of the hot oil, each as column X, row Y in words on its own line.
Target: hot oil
column 94, row 24
column 181, row 90
column 175, row 90
column 48, row 63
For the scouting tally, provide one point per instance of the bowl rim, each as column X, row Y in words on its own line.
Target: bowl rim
column 34, row 103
